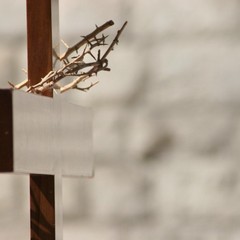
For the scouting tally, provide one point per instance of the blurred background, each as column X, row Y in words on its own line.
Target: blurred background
column 166, row 122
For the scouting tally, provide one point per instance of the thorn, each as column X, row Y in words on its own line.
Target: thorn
column 65, row 61
column 84, row 50
column 24, row 70
column 87, row 40
column 90, row 53
column 99, row 53
column 11, row 84
column 64, row 43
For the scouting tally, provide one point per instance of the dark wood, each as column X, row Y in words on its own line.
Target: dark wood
column 42, row 207
column 39, row 44
column 39, row 40
column 6, row 131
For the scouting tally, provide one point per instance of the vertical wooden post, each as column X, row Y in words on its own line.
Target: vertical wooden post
column 39, row 44
column 39, row 40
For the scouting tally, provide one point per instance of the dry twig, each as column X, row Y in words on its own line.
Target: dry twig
column 76, row 66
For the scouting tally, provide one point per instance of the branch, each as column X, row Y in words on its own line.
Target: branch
column 114, row 42
column 86, row 39
column 78, row 66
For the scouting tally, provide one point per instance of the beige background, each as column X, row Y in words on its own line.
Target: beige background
column 166, row 126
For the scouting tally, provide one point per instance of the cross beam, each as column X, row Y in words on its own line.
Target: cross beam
column 40, row 135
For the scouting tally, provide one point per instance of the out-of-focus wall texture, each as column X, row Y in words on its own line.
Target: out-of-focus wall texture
column 166, row 126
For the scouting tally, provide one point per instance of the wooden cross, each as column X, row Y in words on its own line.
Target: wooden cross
column 44, row 137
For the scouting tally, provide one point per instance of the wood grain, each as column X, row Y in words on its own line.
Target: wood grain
column 39, row 45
